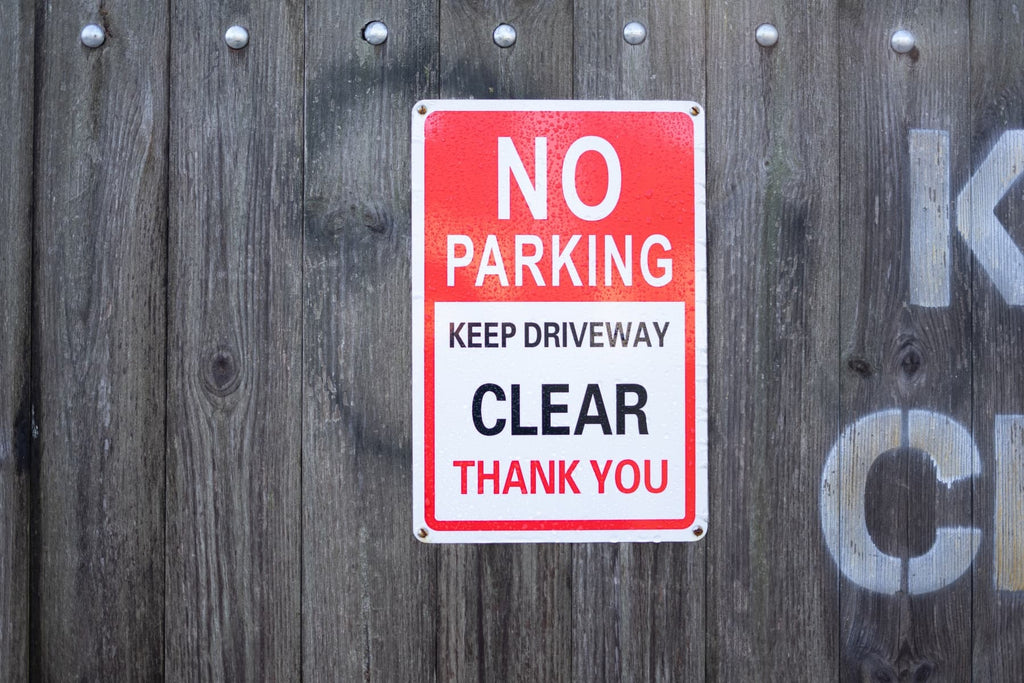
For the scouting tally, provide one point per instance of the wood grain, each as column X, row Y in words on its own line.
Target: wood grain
column 505, row 612
column 894, row 355
column 773, row 227
column 638, row 608
column 99, row 343
column 538, row 66
column 17, row 22
column 234, row 344
column 997, row 105
column 370, row 596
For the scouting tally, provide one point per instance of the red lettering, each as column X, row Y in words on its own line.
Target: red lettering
column 483, row 476
column 647, row 476
column 565, row 476
column 537, row 471
column 601, row 475
column 514, row 478
column 636, row 476
column 465, row 465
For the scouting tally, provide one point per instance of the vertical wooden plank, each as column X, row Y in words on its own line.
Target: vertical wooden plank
column 538, row 66
column 906, row 369
column 638, row 609
column 17, row 22
column 997, row 107
column 505, row 611
column 369, row 602
column 773, row 232
column 234, row 355
column 100, row 254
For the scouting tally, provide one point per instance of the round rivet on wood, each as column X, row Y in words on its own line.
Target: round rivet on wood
column 902, row 41
column 375, row 33
column 422, row 109
column 93, row 35
column 634, row 33
column 504, row 35
column 236, row 37
column 766, row 35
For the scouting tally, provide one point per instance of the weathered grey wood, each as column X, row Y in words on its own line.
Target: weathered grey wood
column 638, row 609
column 773, row 229
column 369, row 599
column 99, row 340
column 234, row 353
column 538, row 66
column 894, row 355
column 505, row 612
column 997, row 106
column 17, row 22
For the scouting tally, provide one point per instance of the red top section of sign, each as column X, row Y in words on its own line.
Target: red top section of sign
column 655, row 151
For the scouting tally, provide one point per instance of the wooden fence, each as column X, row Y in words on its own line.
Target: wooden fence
column 205, row 388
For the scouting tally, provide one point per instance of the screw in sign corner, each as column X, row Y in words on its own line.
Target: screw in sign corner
column 559, row 332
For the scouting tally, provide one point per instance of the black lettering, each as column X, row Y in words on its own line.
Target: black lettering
column 547, row 408
column 661, row 333
column 491, row 333
column 478, row 419
column 474, row 334
column 578, row 340
column 642, row 335
column 508, row 330
column 455, row 335
column 617, row 334
column 531, row 335
column 622, row 408
column 550, row 330
column 593, row 395
column 517, row 429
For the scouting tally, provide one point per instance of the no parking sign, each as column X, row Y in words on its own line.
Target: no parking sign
column 559, row 321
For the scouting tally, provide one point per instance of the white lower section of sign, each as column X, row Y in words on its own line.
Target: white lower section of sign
column 594, row 395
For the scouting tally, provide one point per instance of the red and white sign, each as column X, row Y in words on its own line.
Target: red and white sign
column 559, row 321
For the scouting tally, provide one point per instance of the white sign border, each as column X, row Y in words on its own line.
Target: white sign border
column 698, row 529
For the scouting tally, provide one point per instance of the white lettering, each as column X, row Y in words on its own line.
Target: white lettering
column 522, row 260
column 454, row 261
column 624, row 265
column 665, row 264
column 491, row 263
column 510, row 164
column 591, row 143
column 563, row 259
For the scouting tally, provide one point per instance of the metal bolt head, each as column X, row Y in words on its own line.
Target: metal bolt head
column 634, row 33
column 505, row 35
column 375, row 33
column 902, row 41
column 766, row 35
column 93, row 35
column 236, row 37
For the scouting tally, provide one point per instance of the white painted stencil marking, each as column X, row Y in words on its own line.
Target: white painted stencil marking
column 976, row 220
column 843, row 486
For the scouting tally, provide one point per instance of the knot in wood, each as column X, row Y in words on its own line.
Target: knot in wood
column 373, row 217
column 220, row 373
column 860, row 366
column 909, row 358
